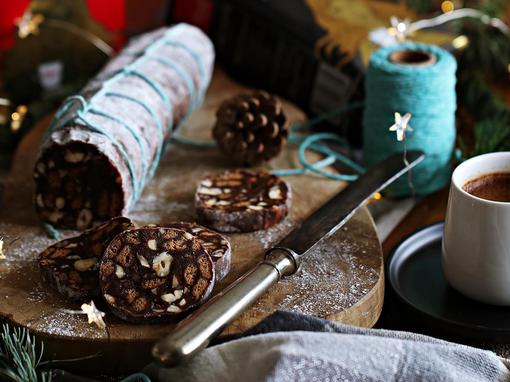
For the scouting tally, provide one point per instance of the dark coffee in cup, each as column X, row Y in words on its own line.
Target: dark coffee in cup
column 493, row 186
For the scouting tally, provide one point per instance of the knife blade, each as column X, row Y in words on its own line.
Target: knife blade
column 196, row 331
column 334, row 213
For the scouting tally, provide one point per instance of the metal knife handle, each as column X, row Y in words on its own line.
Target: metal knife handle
column 196, row 331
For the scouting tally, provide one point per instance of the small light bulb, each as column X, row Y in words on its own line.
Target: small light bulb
column 447, row 6
column 15, row 125
column 377, row 196
column 460, row 42
column 401, row 27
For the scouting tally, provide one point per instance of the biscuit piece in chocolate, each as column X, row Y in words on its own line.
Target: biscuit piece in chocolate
column 213, row 242
column 242, row 201
column 72, row 265
column 149, row 274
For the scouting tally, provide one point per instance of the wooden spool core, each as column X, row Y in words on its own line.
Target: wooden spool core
column 413, row 58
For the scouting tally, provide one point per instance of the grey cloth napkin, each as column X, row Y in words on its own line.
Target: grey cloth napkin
column 291, row 347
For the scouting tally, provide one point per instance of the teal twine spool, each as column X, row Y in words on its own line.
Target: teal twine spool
column 419, row 79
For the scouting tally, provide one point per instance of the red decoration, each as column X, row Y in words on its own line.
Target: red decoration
column 112, row 15
column 11, row 10
column 196, row 12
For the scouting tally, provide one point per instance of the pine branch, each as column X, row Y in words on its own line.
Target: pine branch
column 494, row 8
column 492, row 116
column 488, row 52
column 491, row 135
column 478, row 98
column 421, row 6
column 19, row 357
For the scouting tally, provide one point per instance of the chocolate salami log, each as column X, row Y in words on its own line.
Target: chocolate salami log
column 72, row 265
column 149, row 274
column 105, row 143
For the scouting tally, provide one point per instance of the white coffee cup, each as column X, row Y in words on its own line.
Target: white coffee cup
column 476, row 241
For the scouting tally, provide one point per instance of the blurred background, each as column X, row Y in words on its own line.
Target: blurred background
column 312, row 52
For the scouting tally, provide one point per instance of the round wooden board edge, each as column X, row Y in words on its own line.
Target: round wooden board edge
column 369, row 308
column 364, row 313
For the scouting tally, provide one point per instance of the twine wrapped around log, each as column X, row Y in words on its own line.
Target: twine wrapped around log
column 104, row 144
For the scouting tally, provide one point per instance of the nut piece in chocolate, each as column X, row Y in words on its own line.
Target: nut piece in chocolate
column 72, row 265
column 213, row 242
column 242, row 201
column 152, row 273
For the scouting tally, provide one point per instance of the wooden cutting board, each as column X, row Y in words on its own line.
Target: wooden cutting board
column 342, row 280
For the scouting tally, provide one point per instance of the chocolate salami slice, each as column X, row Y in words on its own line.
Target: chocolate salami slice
column 149, row 274
column 242, row 201
column 72, row 265
column 104, row 144
column 213, row 242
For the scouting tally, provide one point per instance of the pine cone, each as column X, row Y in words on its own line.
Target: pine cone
column 251, row 128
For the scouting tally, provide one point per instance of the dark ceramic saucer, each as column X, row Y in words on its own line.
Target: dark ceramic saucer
column 415, row 274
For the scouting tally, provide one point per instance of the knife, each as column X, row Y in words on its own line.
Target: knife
column 196, row 331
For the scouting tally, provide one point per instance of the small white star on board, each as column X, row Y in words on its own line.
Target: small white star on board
column 399, row 28
column 401, row 126
column 94, row 315
column 2, row 253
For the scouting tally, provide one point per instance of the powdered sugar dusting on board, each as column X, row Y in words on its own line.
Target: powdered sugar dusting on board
column 61, row 323
column 335, row 276
column 150, row 213
column 273, row 235
column 22, row 243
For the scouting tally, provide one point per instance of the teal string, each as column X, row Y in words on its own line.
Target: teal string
column 157, row 122
column 158, row 89
column 52, row 232
column 82, row 107
column 188, row 81
column 457, row 154
column 198, row 61
column 80, row 117
column 62, row 111
column 428, row 93
column 134, row 134
column 300, row 171
column 307, row 142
